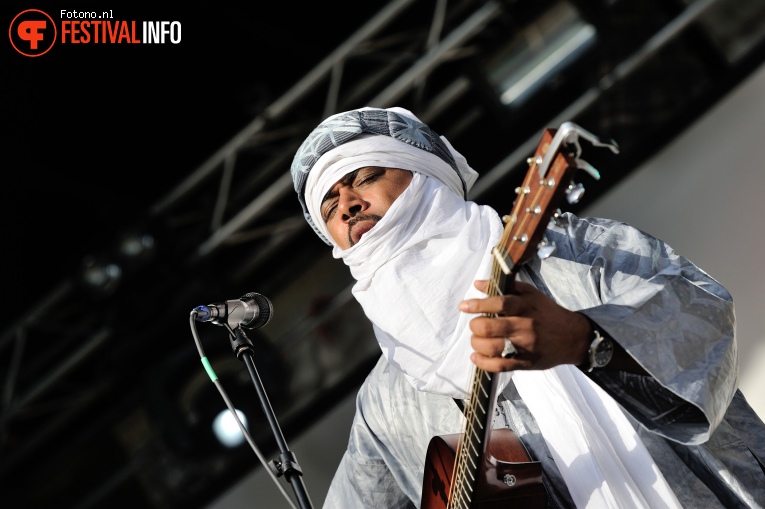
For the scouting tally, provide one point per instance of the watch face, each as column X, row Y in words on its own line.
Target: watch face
column 603, row 353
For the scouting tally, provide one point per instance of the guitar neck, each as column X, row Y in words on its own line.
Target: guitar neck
column 524, row 229
column 546, row 182
column 478, row 411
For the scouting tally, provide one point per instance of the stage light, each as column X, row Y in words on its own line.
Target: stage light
column 136, row 245
column 544, row 48
column 227, row 430
column 135, row 249
column 100, row 275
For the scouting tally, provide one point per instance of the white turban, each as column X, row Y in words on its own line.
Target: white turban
column 393, row 138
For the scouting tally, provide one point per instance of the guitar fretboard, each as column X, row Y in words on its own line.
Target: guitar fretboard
column 477, row 421
column 520, row 227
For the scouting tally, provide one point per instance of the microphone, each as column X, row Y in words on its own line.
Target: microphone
column 251, row 311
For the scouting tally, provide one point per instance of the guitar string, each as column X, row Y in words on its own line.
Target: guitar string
column 459, row 474
column 458, row 493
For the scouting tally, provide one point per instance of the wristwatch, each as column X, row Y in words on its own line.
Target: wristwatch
column 600, row 352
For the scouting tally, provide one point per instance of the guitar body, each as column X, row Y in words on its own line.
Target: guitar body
column 506, row 457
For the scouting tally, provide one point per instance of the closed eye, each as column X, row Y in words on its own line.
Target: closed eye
column 369, row 176
column 328, row 209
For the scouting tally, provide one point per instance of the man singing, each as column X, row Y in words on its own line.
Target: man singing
column 622, row 377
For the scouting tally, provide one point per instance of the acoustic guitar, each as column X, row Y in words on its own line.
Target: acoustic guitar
column 490, row 468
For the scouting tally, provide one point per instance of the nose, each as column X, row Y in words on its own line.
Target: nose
column 350, row 203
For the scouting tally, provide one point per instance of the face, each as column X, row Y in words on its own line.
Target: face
column 359, row 200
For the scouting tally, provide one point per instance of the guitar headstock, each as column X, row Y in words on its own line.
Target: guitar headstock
column 548, row 179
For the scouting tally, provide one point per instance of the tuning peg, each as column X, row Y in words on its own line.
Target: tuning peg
column 574, row 193
column 559, row 219
column 535, row 160
column 545, row 249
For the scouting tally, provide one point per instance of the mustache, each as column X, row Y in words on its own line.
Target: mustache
column 357, row 219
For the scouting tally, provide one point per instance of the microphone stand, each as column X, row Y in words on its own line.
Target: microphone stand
column 287, row 464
